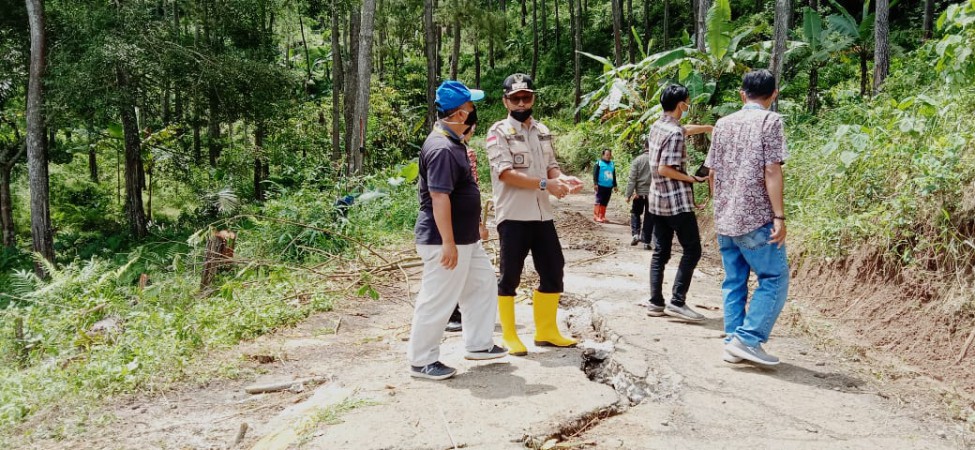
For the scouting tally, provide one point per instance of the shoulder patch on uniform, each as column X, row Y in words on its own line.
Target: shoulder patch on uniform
column 492, row 140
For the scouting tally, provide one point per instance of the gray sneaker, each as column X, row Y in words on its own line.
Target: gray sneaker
column 494, row 352
column 433, row 371
column 636, row 240
column 754, row 354
column 683, row 312
column 654, row 310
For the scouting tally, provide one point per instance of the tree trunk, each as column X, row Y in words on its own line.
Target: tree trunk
column 364, row 76
column 700, row 24
column 213, row 128
column 778, row 47
column 524, row 13
column 336, row 84
column 666, row 23
column 477, row 64
column 430, row 31
column 881, row 64
column 304, row 43
column 577, row 46
column 166, row 117
column 8, row 159
column 544, row 13
column 40, row 213
column 534, row 72
column 6, row 207
column 617, row 25
column 197, row 140
column 558, row 26
column 863, row 73
column 260, row 165
column 646, row 24
column 351, row 87
column 92, row 160
column 455, row 50
column 812, row 98
column 628, row 30
column 134, row 180
column 928, row 19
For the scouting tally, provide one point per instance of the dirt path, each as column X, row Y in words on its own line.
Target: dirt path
column 636, row 382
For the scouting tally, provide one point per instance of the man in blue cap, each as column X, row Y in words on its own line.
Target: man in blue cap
column 455, row 266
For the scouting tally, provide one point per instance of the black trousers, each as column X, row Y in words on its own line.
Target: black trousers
column 641, row 221
column 538, row 237
column 684, row 225
column 603, row 194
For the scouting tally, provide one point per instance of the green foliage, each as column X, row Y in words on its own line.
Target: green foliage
column 628, row 96
column 888, row 175
column 956, row 50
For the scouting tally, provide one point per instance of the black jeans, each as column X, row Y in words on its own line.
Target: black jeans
column 641, row 221
column 603, row 194
column 539, row 237
column 664, row 228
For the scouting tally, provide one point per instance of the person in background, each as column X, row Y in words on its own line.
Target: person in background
column 746, row 158
column 604, row 182
column 638, row 191
column 455, row 266
column 524, row 173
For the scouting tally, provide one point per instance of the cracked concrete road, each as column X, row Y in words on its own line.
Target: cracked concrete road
column 690, row 397
column 813, row 400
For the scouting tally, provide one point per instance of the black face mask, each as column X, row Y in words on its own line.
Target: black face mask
column 471, row 121
column 521, row 116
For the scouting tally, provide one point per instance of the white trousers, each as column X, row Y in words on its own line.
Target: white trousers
column 472, row 284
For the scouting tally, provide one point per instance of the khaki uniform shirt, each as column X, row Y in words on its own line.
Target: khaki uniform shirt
column 527, row 149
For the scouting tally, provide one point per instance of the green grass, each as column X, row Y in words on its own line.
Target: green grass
column 59, row 372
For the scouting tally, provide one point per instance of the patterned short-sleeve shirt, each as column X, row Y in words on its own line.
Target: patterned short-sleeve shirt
column 666, row 147
column 742, row 145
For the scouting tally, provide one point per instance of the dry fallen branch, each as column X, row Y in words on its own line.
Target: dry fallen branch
column 581, row 262
column 284, row 385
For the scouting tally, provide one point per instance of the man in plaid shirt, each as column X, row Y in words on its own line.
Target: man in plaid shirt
column 671, row 201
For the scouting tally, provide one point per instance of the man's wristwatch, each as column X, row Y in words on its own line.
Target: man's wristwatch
column 782, row 218
column 542, row 184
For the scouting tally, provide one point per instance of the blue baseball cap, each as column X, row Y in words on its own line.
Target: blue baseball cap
column 451, row 94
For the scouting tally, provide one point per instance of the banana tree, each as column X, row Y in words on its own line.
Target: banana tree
column 819, row 44
column 629, row 91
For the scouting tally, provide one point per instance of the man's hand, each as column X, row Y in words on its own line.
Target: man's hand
column 483, row 231
column 575, row 184
column 691, row 130
column 630, row 198
column 778, row 232
column 448, row 258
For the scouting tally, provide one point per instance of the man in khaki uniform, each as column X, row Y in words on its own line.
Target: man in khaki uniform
column 524, row 173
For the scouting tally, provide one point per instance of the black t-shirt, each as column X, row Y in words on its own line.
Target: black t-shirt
column 444, row 167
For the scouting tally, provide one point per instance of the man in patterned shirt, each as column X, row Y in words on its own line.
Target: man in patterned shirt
column 671, row 202
column 746, row 160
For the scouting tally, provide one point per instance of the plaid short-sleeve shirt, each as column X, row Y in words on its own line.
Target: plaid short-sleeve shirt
column 665, row 144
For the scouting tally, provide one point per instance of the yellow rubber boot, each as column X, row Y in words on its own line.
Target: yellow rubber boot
column 546, row 322
column 509, row 331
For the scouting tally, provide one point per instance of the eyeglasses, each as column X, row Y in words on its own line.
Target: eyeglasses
column 524, row 98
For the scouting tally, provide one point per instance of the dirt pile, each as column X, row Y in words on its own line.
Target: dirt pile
column 926, row 319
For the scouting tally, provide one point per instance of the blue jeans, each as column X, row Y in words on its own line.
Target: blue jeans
column 753, row 253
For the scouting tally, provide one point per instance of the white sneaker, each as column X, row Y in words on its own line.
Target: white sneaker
column 729, row 358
